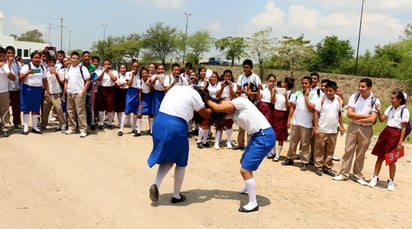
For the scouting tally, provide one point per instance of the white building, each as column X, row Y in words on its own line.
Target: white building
column 23, row 48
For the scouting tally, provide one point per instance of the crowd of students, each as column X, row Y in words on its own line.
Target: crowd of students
column 84, row 95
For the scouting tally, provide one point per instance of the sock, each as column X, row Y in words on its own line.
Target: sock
column 178, row 181
column 279, row 150
column 243, row 190
column 134, row 119
column 229, row 135
column 92, row 115
column 200, row 135
column 129, row 120
column 251, row 189
column 25, row 122
column 34, row 119
column 161, row 173
column 101, row 117
column 205, row 135
column 139, row 124
column 109, row 118
column 151, row 124
column 122, row 121
column 119, row 117
column 218, row 137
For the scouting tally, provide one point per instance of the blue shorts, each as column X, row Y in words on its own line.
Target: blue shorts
column 259, row 146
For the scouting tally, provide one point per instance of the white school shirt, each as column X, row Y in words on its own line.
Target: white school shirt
column 143, row 86
column 54, row 84
column 212, row 89
column 247, row 116
column 181, row 102
column 266, row 94
column 328, row 114
column 280, row 103
column 14, row 85
column 106, row 80
column 362, row 105
column 135, row 79
column 122, row 79
column 34, row 80
column 394, row 116
column 184, row 79
column 302, row 116
column 226, row 90
column 4, row 78
column 253, row 78
column 75, row 81
column 166, row 80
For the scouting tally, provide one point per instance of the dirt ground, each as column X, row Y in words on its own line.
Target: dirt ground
column 102, row 181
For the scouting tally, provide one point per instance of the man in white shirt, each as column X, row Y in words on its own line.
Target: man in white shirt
column 5, row 76
column 76, row 83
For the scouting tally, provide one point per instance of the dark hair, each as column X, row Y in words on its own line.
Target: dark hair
column 61, row 52
column 52, row 58
column 290, row 82
column 307, row 78
column 315, row 74
column 95, row 58
column 271, row 75
column 74, row 53
column 123, row 64
column 279, row 83
column 2, row 50
column 367, row 81
column 35, row 53
column 324, row 81
column 85, row 52
column 188, row 64
column 175, row 65
column 399, row 95
column 331, row 84
column 231, row 74
column 10, row 48
column 248, row 62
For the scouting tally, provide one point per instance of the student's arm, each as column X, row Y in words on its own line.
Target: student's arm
column 309, row 104
column 225, row 106
column 382, row 117
column 291, row 111
column 341, row 125
column 403, row 132
column 316, row 123
column 86, row 86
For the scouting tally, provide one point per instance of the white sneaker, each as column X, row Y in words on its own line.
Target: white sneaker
column 391, row 185
column 67, row 132
column 276, row 158
column 373, row 181
column 335, row 158
column 361, row 181
column 229, row 145
column 83, row 134
column 217, row 147
column 339, row 177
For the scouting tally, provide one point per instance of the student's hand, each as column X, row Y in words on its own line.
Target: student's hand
column 316, row 131
column 342, row 130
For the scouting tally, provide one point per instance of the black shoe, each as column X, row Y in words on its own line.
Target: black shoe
column 154, row 193
column 175, row 200
column 58, row 129
column 18, row 127
column 319, row 172
column 199, row 145
column 36, row 131
column 101, row 127
column 6, row 133
column 137, row 134
column 134, row 131
column 244, row 210
column 329, row 172
column 238, row 148
column 120, row 133
column 206, row 145
column 311, row 162
column 287, row 162
column 110, row 127
column 92, row 127
column 304, row 167
column 270, row 156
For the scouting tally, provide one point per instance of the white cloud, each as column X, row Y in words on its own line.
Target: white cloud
column 22, row 25
column 162, row 4
column 272, row 16
column 214, row 27
column 302, row 17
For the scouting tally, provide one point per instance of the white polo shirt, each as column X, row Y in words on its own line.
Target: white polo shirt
column 247, row 116
column 328, row 114
column 54, row 84
column 135, row 79
column 4, row 77
column 36, row 79
column 75, row 81
column 394, row 116
column 302, row 116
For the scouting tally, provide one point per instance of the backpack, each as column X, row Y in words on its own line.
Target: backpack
column 409, row 125
column 373, row 101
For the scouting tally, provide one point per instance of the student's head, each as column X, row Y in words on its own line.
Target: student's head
column 306, row 82
column 271, row 80
column 96, row 61
column 135, row 66
column 160, row 69
column 315, row 78
column 123, row 68
column 202, row 72
column 175, row 69
column 330, row 89
column 86, row 57
column 365, row 87
column 66, row 62
column 75, row 58
column 45, row 55
column 2, row 54
column 107, row 64
column 213, row 78
column 323, row 84
column 288, row 83
column 247, row 67
column 228, row 75
column 188, row 67
column 144, row 72
column 398, row 98
column 10, row 53
column 152, row 68
column 60, row 55
column 193, row 77
column 35, row 58
column 51, row 61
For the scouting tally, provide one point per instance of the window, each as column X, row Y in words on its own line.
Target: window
column 19, row 52
column 26, row 53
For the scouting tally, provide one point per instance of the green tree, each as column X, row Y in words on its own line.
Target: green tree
column 407, row 33
column 199, row 43
column 160, row 41
column 261, row 47
column 332, row 53
column 233, row 46
column 295, row 54
column 130, row 45
column 32, row 36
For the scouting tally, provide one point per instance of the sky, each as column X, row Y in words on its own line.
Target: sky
column 88, row 21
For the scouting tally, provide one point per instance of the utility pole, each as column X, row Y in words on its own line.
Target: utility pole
column 70, row 38
column 359, row 35
column 61, row 33
column 184, row 39
column 50, row 25
column 104, row 31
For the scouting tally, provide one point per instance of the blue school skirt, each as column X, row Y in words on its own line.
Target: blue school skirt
column 132, row 101
column 259, row 146
column 157, row 100
column 30, row 98
column 170, row 141
column 146, row 104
